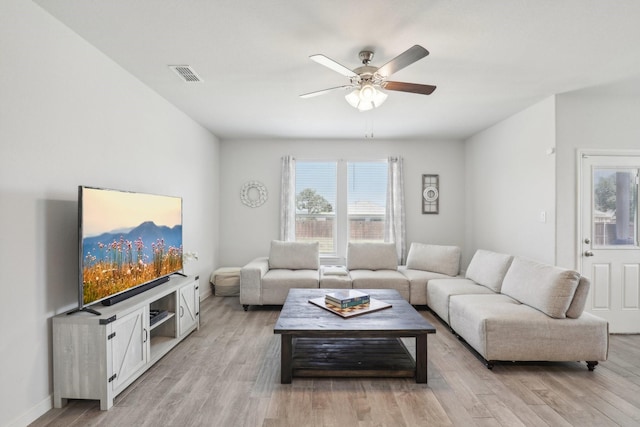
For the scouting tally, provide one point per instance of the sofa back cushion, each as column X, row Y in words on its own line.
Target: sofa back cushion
column 434, row 258
column 489, row 268
column 579, row 298
column 294, row 255
column 372, row 256
column 544, row 287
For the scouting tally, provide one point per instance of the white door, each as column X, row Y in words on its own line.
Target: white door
column 609, row 251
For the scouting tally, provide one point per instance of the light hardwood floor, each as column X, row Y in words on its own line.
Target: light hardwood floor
column 228, row 374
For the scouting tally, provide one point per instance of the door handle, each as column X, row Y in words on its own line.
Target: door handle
column 588, row 253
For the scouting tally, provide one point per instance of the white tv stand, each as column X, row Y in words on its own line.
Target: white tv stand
column 97, row 357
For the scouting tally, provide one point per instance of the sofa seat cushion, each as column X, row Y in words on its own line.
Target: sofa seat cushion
column 294, row 255
column 500, row 328
column 277, row 282
column 545, row 287
column 439, row 291
column 332, row 277
column 372, row 256
column 435, row 258
column 380, row 279
column 418, row 280
column 489, row 268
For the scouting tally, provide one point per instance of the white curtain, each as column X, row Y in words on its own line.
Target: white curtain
column 288, row 200
column 394, row 230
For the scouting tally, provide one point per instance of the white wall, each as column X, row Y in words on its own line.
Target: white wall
column 246, row 232
column 70, row 116
column 598, row 118
column 510, row 180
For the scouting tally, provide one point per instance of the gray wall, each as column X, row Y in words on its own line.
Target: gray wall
column 510, row 180
column 247, row 232
column 70, row 116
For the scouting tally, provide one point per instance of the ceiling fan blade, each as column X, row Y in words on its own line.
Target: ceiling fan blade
column 333, row 65
column 409, row 87
column 322, row 92
column 405, row 59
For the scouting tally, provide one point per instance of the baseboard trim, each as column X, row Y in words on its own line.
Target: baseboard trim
column 206, row 294
column 34, row 413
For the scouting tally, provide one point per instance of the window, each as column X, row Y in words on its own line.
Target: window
column 340, row 201
column 367, row 197
column 316, row 196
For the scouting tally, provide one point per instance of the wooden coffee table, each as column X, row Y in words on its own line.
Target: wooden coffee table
column 318, row 343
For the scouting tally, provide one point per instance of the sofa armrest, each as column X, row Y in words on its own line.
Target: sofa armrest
column 251, row 281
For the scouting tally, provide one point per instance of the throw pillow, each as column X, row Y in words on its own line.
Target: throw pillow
column 489, row 268
column 434, row 258
column 372, row 256
column 294, row 255
column 579, row 298
column 544, row 287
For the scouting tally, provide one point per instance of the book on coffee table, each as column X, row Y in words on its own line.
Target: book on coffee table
column 356, row 310
column 345, row 298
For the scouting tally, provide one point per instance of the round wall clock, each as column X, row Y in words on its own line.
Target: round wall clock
column 253, row 194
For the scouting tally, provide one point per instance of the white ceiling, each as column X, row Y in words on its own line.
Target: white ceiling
column 489, row 59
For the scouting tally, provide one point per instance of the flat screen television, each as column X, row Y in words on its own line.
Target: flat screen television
column 128, row 243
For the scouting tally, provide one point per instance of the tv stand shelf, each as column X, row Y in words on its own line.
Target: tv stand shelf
column 97, row 357
column 168, row 316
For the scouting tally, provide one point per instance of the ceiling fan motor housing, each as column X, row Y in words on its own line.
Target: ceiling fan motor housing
column 366, row 56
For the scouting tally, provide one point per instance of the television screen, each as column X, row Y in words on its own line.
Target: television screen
column 126, row 240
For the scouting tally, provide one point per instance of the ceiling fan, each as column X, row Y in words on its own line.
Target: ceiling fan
column 367, row 80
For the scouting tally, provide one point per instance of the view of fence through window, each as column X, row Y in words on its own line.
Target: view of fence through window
column 318, row 209
column 316, row 196
column 615, row 213
column 367, row 197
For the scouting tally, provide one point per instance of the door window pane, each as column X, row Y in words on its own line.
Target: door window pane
column 615, row 207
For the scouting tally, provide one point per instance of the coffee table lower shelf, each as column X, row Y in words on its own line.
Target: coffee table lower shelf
column 351, row 357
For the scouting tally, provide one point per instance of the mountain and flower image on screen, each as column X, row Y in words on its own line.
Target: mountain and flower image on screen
column 128, row 239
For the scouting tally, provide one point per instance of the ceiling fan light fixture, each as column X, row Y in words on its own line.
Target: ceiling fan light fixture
column 367, row 92
column 366, row 98
column 379, row 97
column 353, row 98
column 366, row 106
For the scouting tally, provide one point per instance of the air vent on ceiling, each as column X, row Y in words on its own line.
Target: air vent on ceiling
column 186, row 73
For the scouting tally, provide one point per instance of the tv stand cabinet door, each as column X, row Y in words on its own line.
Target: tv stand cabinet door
column 189, row 308
column 129, row 347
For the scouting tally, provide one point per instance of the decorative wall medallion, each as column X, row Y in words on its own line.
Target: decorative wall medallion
column 430, row 194
column 253, row 194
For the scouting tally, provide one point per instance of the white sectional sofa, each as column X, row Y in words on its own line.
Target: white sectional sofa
column 505, row 308
column 515, row 309
column 267, row 280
